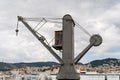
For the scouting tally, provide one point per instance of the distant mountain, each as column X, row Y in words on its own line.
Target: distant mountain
column 108, row 61
column 36, row 64
column 10, row 66
column 80, row 63
column 95, row 63
column 6, row 66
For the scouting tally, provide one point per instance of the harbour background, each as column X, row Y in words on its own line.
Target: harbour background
column 53, row 77
column 107, row 69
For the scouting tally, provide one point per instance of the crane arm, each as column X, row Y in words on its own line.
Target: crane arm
column 82, row 53
column 95, row 40
column 40, row 38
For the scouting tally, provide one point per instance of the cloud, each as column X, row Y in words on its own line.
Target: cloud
column 101, row 17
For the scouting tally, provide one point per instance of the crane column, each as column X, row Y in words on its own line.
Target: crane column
column 67, row 70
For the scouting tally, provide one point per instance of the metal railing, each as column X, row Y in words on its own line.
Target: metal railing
column 44, row 76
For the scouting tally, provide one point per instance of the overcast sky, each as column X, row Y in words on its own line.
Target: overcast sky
column 96, row 16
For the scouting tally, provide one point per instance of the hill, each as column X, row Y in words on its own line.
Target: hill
column 10, row 66
column 95, row 63
column 108, row 61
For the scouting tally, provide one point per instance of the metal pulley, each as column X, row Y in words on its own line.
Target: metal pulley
column 96, row 39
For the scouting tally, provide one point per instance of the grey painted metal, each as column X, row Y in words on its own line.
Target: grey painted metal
column 95, row 40
column 67, row 70
column 76, row 60
column 41, row 39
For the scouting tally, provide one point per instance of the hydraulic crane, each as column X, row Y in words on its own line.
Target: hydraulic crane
column 67, row 69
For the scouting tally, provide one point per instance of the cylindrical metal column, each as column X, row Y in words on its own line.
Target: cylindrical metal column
column 67, row 70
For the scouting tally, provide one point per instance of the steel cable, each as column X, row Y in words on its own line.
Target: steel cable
column 84, row 30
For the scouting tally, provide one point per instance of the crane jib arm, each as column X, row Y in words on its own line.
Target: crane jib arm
column 41, row 39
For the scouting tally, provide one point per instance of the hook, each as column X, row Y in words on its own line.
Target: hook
column 17, row 29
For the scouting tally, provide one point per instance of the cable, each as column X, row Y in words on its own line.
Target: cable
column 50, row 20
column 39, row 19
column 54, row 21
column 38, row 23
column 80, row 27
column 52, row 40
column 41, row 25
column 17, row 29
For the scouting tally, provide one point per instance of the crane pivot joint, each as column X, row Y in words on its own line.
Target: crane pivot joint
column 20, row 18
